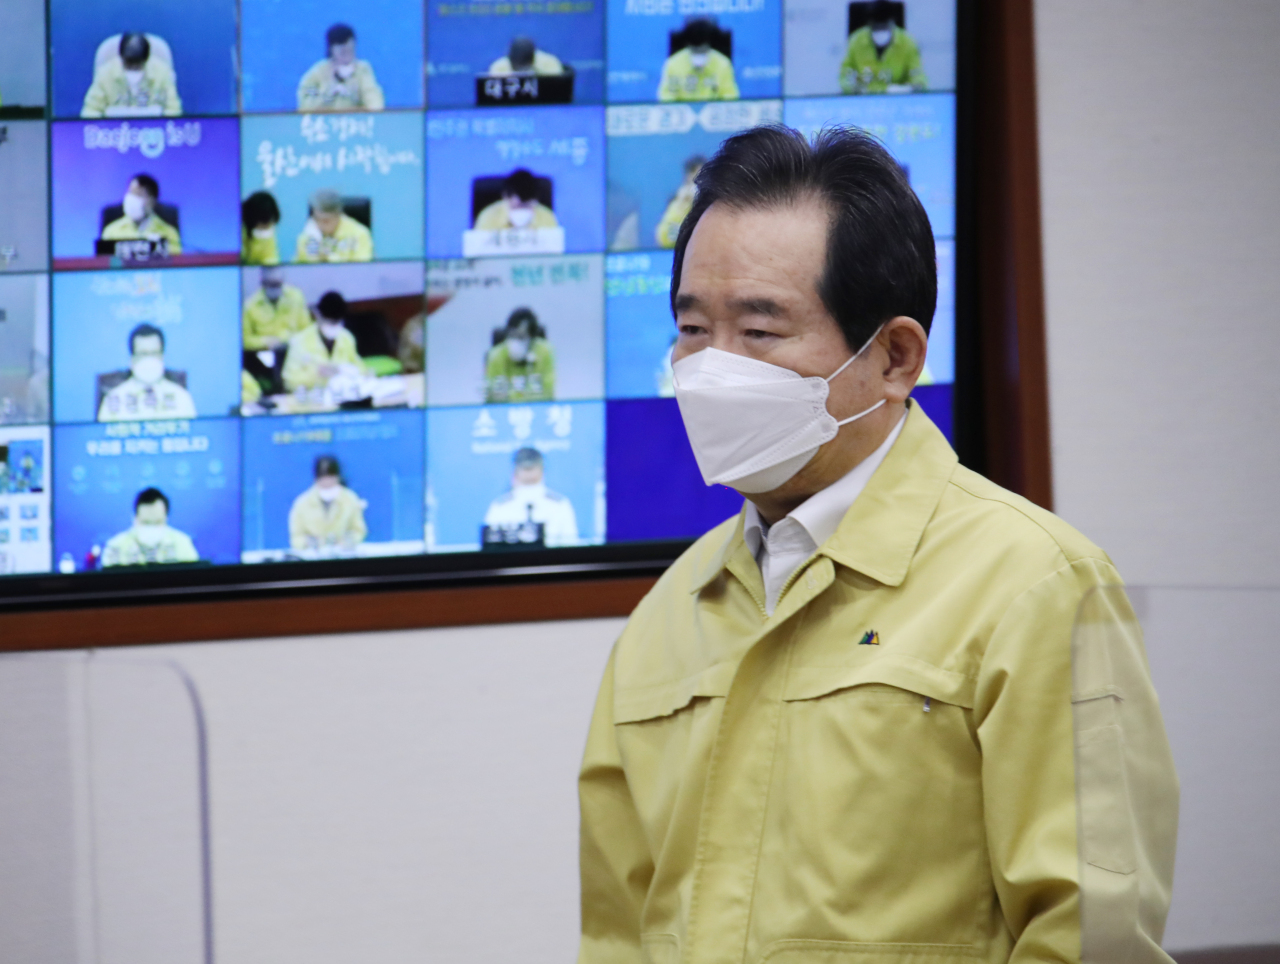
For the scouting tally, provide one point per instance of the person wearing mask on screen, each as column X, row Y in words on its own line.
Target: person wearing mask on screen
column 322, row 349
column 518, row 207
column 148, row 392
column 133, row 84
column 881, row 57
column 330, row 234
column 139, row 220
column 529, row 500
column 259, row 218
column 521, row 366
column 273, row 314
column 698, row 71
column 855, row 721
column 150, row 539
column 524, row 57
column 340, row 81
column 328, row 516
column 678, row 206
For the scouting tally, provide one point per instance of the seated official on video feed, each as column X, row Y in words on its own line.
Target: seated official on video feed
column 669, row 226
column 340, row 81
column 521, row 366
column 259, row 217
column 135, row 81
column 140, row 220
column 524, row 57
column 518, row 207
column 698, row 71
column 328, row 515
column 323, row 349
column 272, row 315
column 148, row 392
column 529, row 500
column 331, row 235
column 150, row 539
column 881, row 57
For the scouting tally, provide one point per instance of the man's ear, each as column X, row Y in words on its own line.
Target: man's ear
column 905, row 345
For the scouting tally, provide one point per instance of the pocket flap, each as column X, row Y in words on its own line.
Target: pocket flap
column 634, row 704
column 892, row 669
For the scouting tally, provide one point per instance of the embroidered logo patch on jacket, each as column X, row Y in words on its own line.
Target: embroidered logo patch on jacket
column 871, row 638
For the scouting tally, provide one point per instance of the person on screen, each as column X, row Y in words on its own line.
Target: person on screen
column 328, row 515
column 412, row 347
column 340, row 81
column 274, row 313
column 140, row 220
column 150, row 539
column 518, row 207
column 331, row 235
column 697, row 71
column 524, row 57
column 881, row 57
column 521, row 366
column 259, row 216
column 133, row 83
column 529, row 500
column 322, row 349
column 669, row 227
column 148, row 392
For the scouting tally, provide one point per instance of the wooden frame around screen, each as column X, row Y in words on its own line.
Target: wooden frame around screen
column 1007, row 402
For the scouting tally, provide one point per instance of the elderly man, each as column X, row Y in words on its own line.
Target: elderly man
column 851, row 723
column 330, row 234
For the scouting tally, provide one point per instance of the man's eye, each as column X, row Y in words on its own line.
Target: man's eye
column 692, row 330
column 758, row 333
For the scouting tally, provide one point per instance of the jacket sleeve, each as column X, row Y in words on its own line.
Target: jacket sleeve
column 371, row 96
column 1080, row 793
column 95, row 98
column 616, row 865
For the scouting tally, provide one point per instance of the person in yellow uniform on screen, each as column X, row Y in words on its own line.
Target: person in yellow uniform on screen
column 148, row 392
column 881, row 57
column 323, row 349
column 518, row 207
column 150, row 539
column 524, row 57
column 669, row 227
column 521, row 366
column 140, row 220
column 133, row 84
column 259, row 217
column 529, row 500
column 340, row 81
column 274, row 313
column 697, row 71
column 330, row 235
column 328, row 516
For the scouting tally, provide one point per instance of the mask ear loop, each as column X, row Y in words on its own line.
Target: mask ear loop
column 852, row 359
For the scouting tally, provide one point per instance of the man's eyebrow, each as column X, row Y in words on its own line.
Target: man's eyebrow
column 686, row 301
column 757, row 306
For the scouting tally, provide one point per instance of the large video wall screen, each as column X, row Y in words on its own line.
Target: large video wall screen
column 315, row 279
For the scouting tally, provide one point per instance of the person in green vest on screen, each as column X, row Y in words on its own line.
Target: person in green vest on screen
column 150, row 539
column 881, row 58
column 140, row 220
column 521, row 366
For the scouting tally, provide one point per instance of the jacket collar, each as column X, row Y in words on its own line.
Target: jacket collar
column 879, row 534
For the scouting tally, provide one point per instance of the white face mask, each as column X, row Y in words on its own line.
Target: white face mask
column 699, row 58
column 344, row 71
column 330, row 329
column 135, row 208
column 149, row 534
column 328, row 494
column 518, row 349
column 262, row 234
column 133, row 77
column 520, row 217
column 881, row 38
column 754, row 425
column 149, row 370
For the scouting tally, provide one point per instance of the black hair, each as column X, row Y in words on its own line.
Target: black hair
column 880, row 260
column 522, row 184
column 339, row 33
column 332, row 306
column 881, row 12
column 134, row 48
column 700, row 31
column 527, row 456
column 148, row 184
column 260, row 207
column 521, row 53
column 327, row 465
column 142, row 331
column 150, row 496
column 526, row 316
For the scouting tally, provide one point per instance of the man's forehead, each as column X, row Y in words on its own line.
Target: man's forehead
column 758, row 253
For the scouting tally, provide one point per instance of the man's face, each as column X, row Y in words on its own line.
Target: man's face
column 328, row 482
column 344, row 54
column 327, row 221
column 151, row 514
column 148, row 346
column 515, row 203
column 138, row 191
column 272, row 284
column 527, row 474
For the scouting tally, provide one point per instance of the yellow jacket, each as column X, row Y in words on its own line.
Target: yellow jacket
column 352, row 241
column 497, row 217
column 262, row 320
column 321, row 90
column 883, row 771
column 110, row 88
column 258, row 250
column 315, row 524
column 153, row 227
column 681, row 80
column 306, row 353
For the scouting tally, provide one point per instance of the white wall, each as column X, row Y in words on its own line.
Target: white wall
column 1161, row 214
